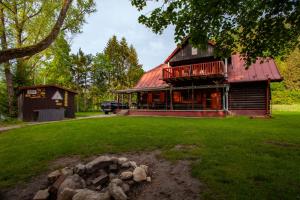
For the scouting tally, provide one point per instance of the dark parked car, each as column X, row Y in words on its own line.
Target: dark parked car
column 112, row 106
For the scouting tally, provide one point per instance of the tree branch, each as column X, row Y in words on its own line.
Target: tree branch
column 7, row 7
column 6, row 55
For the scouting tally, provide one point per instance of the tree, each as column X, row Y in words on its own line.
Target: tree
column 290, row 70
column 254, row 28
column 124, row 61
column 19, row 52
column 56, row 67
column 81, row 72
column 101, row 76
column 25, row 23
column 135, row 70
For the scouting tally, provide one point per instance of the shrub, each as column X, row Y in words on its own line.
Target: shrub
column 286, row 97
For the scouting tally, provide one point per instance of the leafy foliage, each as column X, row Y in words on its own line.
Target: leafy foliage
column 94, row 77
column 252, row 27
column 3, row 100
column 288, row 91
column 24, row 23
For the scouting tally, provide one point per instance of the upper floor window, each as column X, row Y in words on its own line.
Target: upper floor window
column 194, row 51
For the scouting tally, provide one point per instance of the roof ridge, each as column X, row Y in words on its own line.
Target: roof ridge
column 155, row 68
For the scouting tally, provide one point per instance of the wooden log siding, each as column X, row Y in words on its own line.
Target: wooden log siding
column 195, row 70
column 246, row 96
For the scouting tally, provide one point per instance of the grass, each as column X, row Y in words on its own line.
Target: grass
column 235, row 157
column 87, row 114
column 10, row 122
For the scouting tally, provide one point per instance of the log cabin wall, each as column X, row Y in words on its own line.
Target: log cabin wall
column 249, row 98
column 190, row 53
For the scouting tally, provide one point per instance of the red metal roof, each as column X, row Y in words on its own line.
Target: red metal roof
column 261, row 70
column 152, row 79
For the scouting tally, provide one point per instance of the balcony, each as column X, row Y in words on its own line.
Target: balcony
column 200, row 70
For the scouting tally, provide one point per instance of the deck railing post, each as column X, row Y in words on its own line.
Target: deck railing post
column 225, row 68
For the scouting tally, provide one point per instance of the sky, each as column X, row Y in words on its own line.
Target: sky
column 120, row 18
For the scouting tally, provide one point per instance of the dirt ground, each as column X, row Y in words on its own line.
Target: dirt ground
column 169, row 180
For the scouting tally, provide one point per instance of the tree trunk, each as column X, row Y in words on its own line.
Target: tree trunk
column 7, row 72
column 9, row 54
column 10, row 89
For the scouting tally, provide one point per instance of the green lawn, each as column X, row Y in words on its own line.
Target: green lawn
column 87, row 114
column 235, row 157
column 10, row 122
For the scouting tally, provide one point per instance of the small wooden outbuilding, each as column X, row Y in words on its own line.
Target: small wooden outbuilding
column 45, row 103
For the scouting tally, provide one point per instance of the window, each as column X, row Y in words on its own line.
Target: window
column 194, row 51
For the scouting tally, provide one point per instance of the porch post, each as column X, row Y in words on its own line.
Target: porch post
column 141, row 100
column 268, row 98
column 122, row 98
column 129, row 101
column 226, row 95
column 166, row 99
column 193, row 96
column 224, row 99
column 171, row 98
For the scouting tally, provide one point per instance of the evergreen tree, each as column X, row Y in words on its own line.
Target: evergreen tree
column 124, row 61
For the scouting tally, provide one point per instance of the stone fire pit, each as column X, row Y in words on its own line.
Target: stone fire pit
column 104, row 178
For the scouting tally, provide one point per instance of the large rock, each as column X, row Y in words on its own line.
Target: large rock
column 126, row 175
column 116, row 190
column 133, row 164
column 53, row 176
column 122, row 160
column 67, row 171
column 146, row 168
column 80, row 169
column 99, row 163
column 125, row 187
column 87, row 194
column 139, row 174
column 129, row 164
column 41, row 195
column 72, row 182
column 66, row 194
column 55, row 186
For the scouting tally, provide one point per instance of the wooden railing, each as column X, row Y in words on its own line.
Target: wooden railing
column 195, row 70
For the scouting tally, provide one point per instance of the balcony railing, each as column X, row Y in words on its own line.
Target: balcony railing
column 209, row 69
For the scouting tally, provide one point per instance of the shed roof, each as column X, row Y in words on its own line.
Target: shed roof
column 45, row 86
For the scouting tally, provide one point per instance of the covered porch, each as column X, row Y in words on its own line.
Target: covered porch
column 201, row 100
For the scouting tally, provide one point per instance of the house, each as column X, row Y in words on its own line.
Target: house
column 192, row 82
column 45, row 103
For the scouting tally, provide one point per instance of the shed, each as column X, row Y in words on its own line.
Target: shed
column 45, row 103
